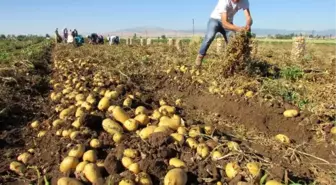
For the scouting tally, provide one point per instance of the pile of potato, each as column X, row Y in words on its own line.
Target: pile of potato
column 78, row 92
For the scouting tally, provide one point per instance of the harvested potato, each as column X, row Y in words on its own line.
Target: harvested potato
column 177, row 163
column 162, row 129
column 92, row 172
column 216, row 155
column 104, row 104
column 57, row 123
column 203, row 150
column 111, row 126
column 68, row 181
column 17, row 167
column 178, row 138
column 162, row 102
column 166, row 109
column 143, row 179
column 95, row 143
column 117, row 137
column 66, row 113
column 182, row 130
column 194, row 131
column 24, row 158
column 233, row 146
column 120, row 115
column 282, row 138
column 66, row 133
column 143, row 119
column 42, row 133
column 80, row 97
column 35, row 124
column 59, row 132
column 131, row 125
column 253, row 168
column 192, row 143
column 90, row 156
column 74, row 135
column 273, row 182
column 130, row 153
column 333, row 130
column 156, row 115
column 86, row 106
column 176, row 176
column 126, row 161
column 126, row 182
column 135, row 168
column 112, row 95
column 232, row 169
column 291, row 113
column 249, row 94
column 77, row 123
column 80, row 112
column 68, row 164
column 146, row 132
column 80, row 166
column 127, row 102
column 141, row 110
column 173, row 123
column 208, row 130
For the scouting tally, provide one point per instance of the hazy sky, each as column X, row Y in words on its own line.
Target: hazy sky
column 43, row 16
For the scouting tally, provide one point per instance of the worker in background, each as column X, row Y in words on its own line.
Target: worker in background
column 93, row 38
column 113, row 40
column 221, row 20
column 78, row 40
column 65, row 34
column 58, row 37
column 70, row 37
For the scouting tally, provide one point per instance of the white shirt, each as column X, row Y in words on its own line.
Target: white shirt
column 70, row 38
column 229, row 7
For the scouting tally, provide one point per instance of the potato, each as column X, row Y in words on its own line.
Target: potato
column 135, row 168
column 282, row 138
column 68, row 164
column 166, row 109
column 127, row 102
column 110, row 109
column 66, row 133
column 66, row 113
column 194, row 131
column 146, row 132
column 249, row 94
column 17, row 167
column 178, row 138
column 77, row 123
column 31, row 150
column 203, row 150
column 87, row 106
column 143, row 179
column 126, row 161
column 162, row 102
column 143, row 119
column 118, row 137
column 35, row 124
column 131, row 153
column 91, row 99
column 216, row 155
column 95, row 143
column 173, row 123
column 92, row 172
column 57, row 123
column 80, row 112
column 59, row 132
column 68, row 181
column 120, row 115
column 103, row 90
column 232, row 169
column 111, row 126
column 101, row 166
column 41, row 133
column 131, row 125
column 74, row 135
column 333, row 130
column 24, row 158
column 104, row 104
column 177, row 163
column 240, row 91
column 126, row 182
column 273, row 182
column 182, row 130
column 162, row 129
column 291, row 113
column 253, row 168
column 208, row 130
column 80, row 166
column 233, row 146
column 178, row 102
column 141, row 110
column 80, row 97
column 112, row 95
column 176, row 176
column 90, row 156
column 192, row 143
column 156, row 115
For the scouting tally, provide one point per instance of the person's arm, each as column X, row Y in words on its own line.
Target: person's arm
column 227, row 25
column 249, row 20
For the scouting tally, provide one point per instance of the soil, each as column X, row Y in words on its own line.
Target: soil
column 251, row 123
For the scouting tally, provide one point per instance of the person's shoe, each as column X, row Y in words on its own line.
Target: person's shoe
column 198, row 61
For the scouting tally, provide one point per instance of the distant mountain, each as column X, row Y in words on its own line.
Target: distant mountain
column 158, row 31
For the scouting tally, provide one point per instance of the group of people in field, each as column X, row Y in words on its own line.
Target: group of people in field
column 72, row 37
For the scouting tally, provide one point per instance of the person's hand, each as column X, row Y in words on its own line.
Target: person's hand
column 240, row 29
column 248, row 28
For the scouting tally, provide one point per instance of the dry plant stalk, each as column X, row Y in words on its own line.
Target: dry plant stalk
column 170, row 42
column 298, row 48
column 220, row 45
column 141, row 42
column 254, row 47
column 130, row 41
column 127, row 41
column 149, row 41
column 178, row 45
